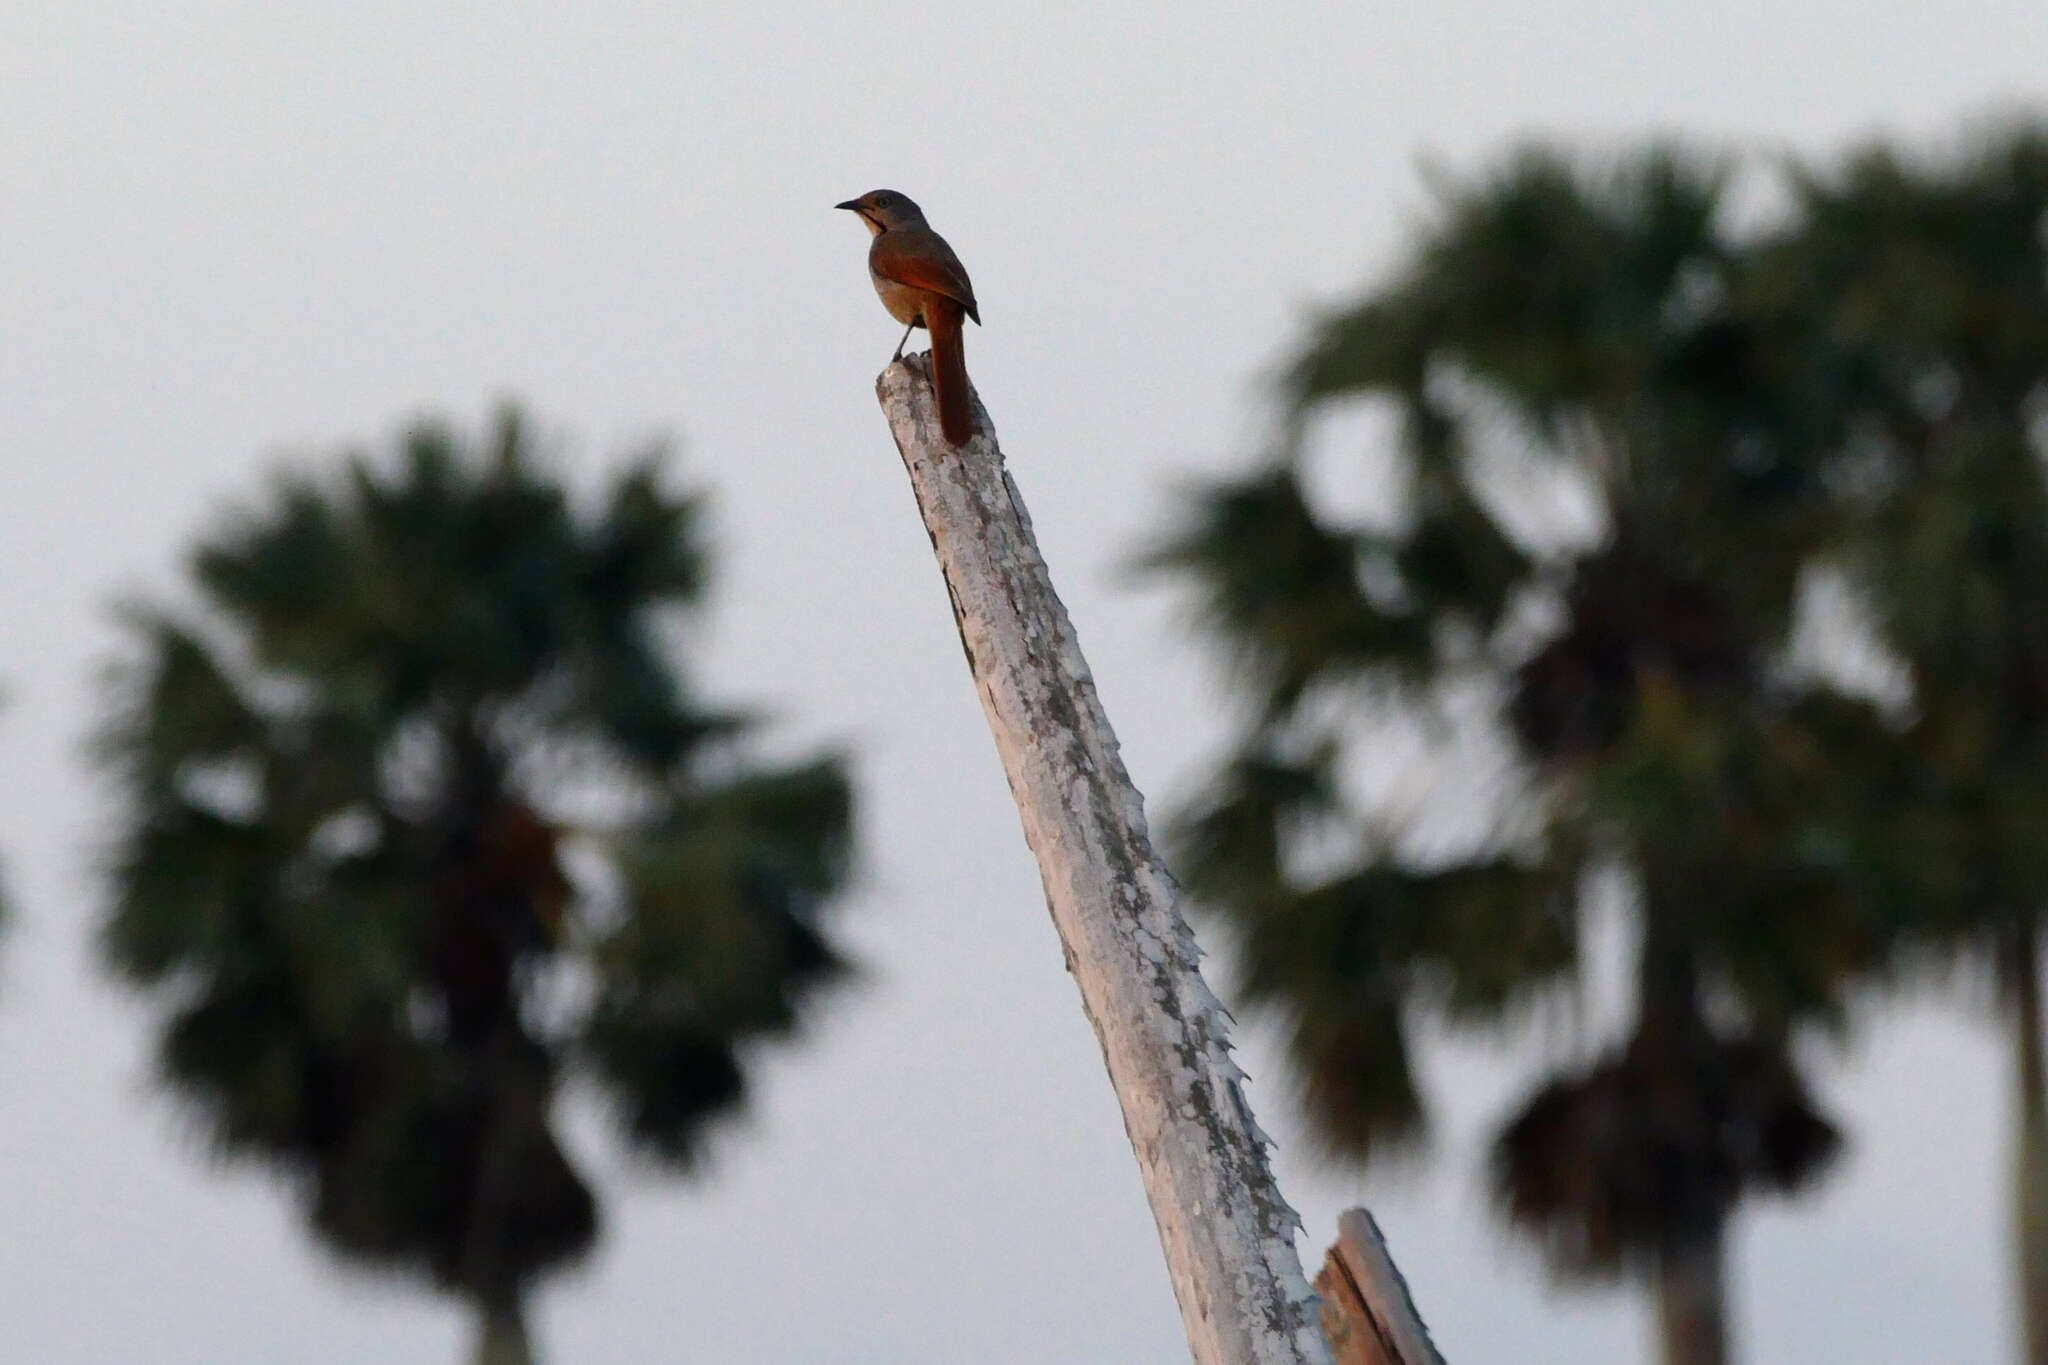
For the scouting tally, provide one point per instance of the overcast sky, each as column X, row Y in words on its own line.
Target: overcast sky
column 254, row 230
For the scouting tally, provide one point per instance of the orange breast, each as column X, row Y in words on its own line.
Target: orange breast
column 904, row 303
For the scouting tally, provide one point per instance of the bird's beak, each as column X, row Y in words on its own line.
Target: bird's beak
column 853, row 204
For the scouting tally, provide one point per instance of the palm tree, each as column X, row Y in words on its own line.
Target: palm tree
column 1579, row 702
column 1921, row 292
column 422, row 821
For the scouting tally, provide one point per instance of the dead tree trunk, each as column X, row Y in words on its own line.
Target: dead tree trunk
column 1228, row 1235
column 1366, row 1308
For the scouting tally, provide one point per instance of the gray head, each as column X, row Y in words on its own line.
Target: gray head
column 883, row 210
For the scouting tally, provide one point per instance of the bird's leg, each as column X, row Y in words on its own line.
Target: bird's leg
column 899, row 345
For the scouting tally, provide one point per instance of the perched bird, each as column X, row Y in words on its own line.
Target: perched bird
column 922, row 284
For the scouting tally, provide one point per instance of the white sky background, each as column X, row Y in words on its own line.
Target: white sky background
column 256, row 228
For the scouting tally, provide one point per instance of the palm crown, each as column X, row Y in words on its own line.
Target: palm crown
column 1613, row 701
column 422, row 821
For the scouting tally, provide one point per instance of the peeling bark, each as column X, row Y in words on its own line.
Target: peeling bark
column 1366, row 1308
column 1227, row 1233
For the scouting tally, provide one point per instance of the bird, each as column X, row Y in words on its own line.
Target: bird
column 922, row 284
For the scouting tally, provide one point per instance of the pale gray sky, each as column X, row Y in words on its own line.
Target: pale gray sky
column 238, row 230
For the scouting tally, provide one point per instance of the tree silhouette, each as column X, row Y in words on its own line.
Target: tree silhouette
column 1574, row 703
column 1920, row 294
column 422, row 821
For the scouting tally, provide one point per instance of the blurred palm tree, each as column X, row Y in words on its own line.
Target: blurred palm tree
column 1462, row 716
column 422, row 822
column 1920, row 292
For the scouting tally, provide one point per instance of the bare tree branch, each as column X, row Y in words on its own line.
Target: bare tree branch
column 1227, row 1234
column 1366, row 1308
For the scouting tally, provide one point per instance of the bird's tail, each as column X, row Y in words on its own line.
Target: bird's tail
column 949, row 372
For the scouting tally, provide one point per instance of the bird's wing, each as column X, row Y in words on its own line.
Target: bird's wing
column 921, row 259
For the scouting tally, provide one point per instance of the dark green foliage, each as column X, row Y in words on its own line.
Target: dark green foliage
column 1561, row 289
column 1615, row 1164
column 1599, row 328
column 1281, row 590
column 1923, row 289
column 1919, row 292
column 724, row 945
column 344, row 872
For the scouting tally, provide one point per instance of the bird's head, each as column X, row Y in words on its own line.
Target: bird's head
column 883, row 210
